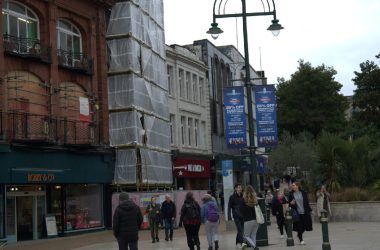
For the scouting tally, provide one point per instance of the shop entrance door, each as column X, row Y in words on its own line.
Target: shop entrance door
column 25, row 212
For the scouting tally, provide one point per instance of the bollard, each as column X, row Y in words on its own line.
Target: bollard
column 289, row 227
column 268, row 216
column 325, row 231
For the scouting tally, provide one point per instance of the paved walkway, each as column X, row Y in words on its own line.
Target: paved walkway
column 343, row 236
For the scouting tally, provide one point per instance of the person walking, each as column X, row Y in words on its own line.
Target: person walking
column 323, row 201
column 234, row 204
column 127, row 221
column 210, row 217
column 191, row 219
column 168, row 211
column 221, row 197
column 154, row 215
column 300, row 204
column 247, row 209
column 278, row 210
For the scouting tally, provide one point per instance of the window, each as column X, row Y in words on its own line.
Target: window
column 188, row 86
column 196, row 132
column 190, row 131
column 170, row 80
column 172, row 129
column 201, row 91
column 195, row 88
column 183, row 130
column 203, row 134
column 83, row 206
column 69, row 44
column 19, row 21
column 181, row 81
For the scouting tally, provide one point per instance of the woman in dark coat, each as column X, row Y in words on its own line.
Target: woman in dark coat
column 278, row 210
column 299, row 202
column 191, row 219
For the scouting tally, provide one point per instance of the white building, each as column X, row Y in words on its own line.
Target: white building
column 189, row 118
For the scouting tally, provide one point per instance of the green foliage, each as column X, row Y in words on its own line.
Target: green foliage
column 310, row 101
column 293, row 151
column 367, row 94
column 329, row 151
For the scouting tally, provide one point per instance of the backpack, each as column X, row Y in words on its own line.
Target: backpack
column 191, row 211
column 212, row 212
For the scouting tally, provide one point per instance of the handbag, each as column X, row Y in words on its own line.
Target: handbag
column 259, row 215
column 295, row 215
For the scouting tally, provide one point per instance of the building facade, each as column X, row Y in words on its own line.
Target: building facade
column 190, row 135
column 53, row 117
column 138, row 95
column 225, row 69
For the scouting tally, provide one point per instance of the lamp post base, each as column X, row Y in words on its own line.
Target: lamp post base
column 262, row 233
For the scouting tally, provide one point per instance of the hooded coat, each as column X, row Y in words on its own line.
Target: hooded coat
column 127, row 221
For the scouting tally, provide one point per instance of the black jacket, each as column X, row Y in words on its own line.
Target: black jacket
column 168, row 210
column 127, row 221
column 277, row 209
column 307, row 222
column 234, row 204
column 247, row 212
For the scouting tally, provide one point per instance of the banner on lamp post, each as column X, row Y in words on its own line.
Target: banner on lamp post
column 234, row 109
column 266, row 120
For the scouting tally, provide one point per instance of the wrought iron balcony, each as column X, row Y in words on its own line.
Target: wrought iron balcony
column 74, row 61
column 27, row 48
column 19, row 126
column 33, row 128
column 77, row 132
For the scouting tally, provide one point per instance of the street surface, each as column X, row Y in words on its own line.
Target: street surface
column 343, row 236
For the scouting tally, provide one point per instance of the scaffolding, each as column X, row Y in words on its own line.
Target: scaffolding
column 138, row 94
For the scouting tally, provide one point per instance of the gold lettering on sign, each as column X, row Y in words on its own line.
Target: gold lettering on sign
column 41, row 177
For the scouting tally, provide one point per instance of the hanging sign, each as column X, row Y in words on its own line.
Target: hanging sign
column 234, row 109
column 84, row 109
column 266, row 121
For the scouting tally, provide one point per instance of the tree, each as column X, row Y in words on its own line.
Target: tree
column 366, row 99
column 293, row 151
column 310, row 101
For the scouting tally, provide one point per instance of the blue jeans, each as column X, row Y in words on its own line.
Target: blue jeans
column 168, row 228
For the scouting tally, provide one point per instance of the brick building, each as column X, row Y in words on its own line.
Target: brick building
column 53, row 117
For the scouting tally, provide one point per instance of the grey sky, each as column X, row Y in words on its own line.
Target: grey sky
column 338, row 33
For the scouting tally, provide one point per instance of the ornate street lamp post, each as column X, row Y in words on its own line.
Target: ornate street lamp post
column 275, row 27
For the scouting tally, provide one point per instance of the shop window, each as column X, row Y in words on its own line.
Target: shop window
column 83, row 207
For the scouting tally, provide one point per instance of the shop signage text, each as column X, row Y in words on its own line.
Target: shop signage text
column 41, row 177
column 192, row 168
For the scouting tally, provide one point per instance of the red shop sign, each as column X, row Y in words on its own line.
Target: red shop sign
column 189, row 168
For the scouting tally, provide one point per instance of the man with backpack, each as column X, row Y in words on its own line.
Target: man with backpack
column 210, row 217
column 191, row 219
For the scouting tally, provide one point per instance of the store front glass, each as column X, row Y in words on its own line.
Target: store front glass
column 25, row 210
column 1, row 213
column 83, row 207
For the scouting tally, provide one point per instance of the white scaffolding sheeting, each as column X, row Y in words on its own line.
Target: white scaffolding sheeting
column 128, row 18
column 138, row 93
column 126, row 128
column 132, row 91
column 156, row 167
column 125, row 170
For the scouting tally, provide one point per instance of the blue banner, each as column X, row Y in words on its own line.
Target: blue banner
column 266, row 121
column 235, row 117
column 261, row 164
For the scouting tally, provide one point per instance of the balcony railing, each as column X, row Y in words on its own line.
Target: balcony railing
column 77, row 132
column 74, row 61
column 25, row 127
column 27, row 48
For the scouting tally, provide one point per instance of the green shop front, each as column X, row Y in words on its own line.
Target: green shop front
column 67, row 187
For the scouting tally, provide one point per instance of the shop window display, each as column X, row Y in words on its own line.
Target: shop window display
column 83, row 207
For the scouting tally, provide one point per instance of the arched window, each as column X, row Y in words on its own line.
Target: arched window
column 69, row 42
column 19, row 21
